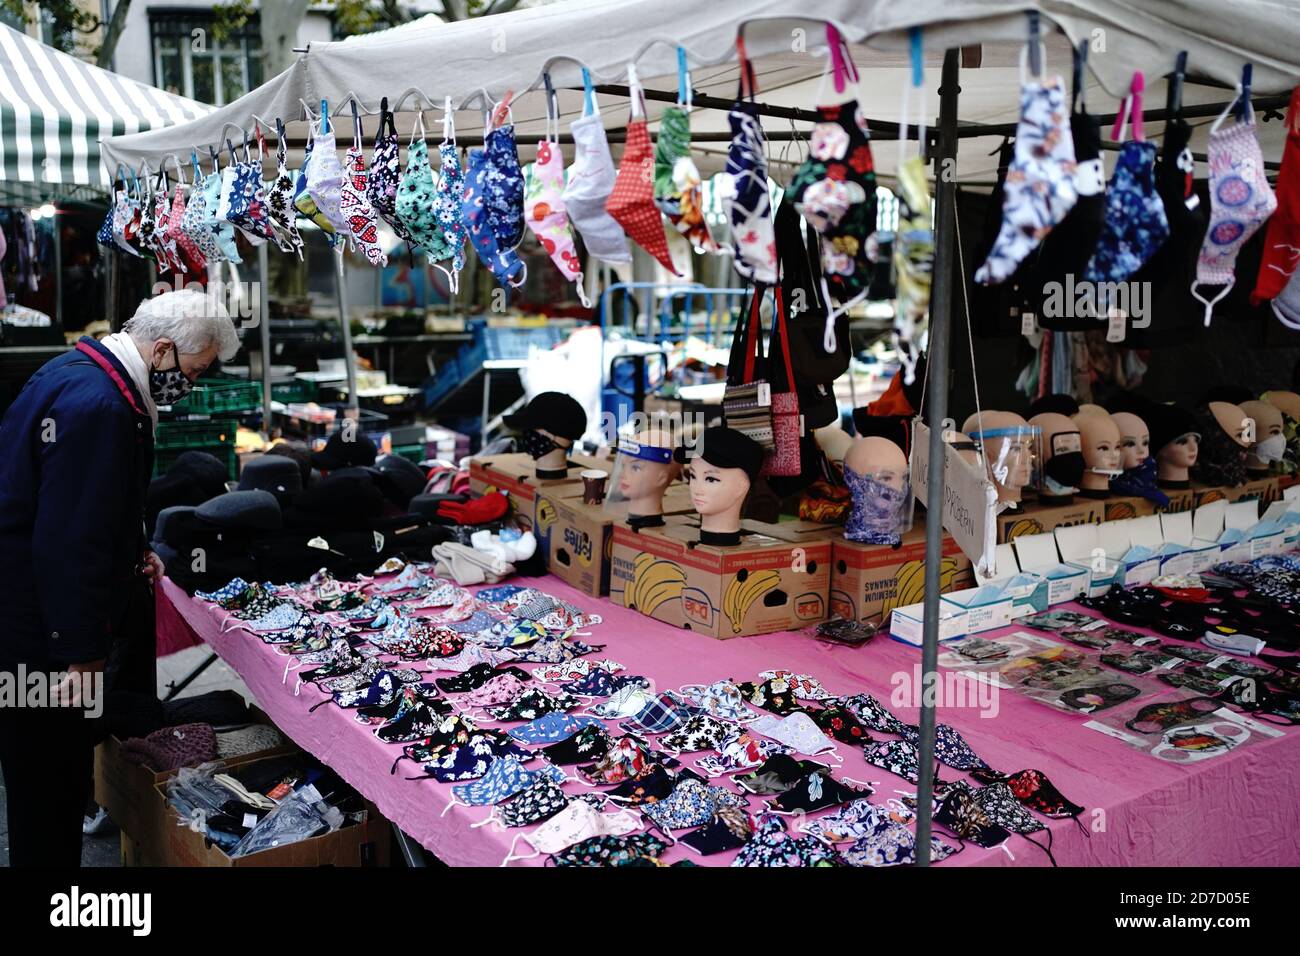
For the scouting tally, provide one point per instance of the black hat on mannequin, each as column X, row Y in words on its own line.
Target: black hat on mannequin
column 725, row 448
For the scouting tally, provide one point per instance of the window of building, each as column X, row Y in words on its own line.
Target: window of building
column 188, row 59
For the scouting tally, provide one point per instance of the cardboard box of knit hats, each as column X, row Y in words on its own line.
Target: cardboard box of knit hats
column 1032, row 518
column 870, row 580
column 577, row 539
column 126, row 791
column 764, row 584
column 517, row 476
column 364, row 843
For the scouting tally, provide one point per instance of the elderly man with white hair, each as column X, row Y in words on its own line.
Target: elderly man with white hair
column 76, row 455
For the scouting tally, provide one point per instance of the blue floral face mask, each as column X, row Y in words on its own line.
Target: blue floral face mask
column 1136, row 224
column 871, row 712
column 553, row 650
column 855, row 819
column 280, row 618
column 471, row 760
column 950, row 747
column 888, row 843
column 504, row 187
column 692, row 803
column 505, row 777
column 226, row 594
column 499, row 594
column 552, row 727
column 503, row 263
column 773, row 845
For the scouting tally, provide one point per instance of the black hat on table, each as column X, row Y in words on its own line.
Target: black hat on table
column 207, row 470
column 338, row 502
column 247, row 510
column 274, row 473
column 343, row 449
column 399, row 479
column 725, row 448
column 1169, row 423
column 555, row 412
column 297, row 452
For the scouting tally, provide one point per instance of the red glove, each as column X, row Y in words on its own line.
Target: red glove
column 490, row 507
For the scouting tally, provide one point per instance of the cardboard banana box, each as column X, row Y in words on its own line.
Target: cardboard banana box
column 578, row 539
column 870, row 580
column 516, row 475
column 1033, row 518
column 1264, row 490
column 764, row 584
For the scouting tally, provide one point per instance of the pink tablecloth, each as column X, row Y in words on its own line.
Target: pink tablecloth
column 1239, row 809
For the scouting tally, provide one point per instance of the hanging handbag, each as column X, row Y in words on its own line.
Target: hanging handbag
column 787, row 423
column 747, row 402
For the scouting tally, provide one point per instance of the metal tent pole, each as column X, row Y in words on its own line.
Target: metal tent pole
column 264, row 332
column 350, row 359
column 941, row 301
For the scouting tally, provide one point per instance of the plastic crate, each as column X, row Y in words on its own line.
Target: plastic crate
column 210, row 396
column 449, row 375
column 163, row 458
column 415, row 453
column 184, row 435
column 507, row 343
column 294, row 392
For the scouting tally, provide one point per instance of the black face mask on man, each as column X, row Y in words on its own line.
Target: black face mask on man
column 168, row 386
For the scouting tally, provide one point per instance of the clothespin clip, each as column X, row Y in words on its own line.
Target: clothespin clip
column 501, row 109
column 918, row 56
column 1174, row 98
column 1035, row 41
column 1243, row 98
column 324, row 117
column 589, row 92
column 684, row 93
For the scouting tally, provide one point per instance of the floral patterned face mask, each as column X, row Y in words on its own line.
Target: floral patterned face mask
column 503, row 191
column 505, row 777
column 700, row 732
column 384, row 177
column 499, row 690
column 279, row 200
column 543, row 800
column 678, row 190
column 854, row 820
column 721, row 699
column 447, row 200
column 691, row 804
column 773, row 845
column 503, row 263
column 611, row 851
column 749, row 207
column 572, row 670
column 889, row 843
column 533, row 704
column 545, row 213
column 816, row 791
column 803, row 686
column 950, row 747
column 897, row 756
column 871, row 712
column 472, row 759
column 740, row 752
column 577, row 822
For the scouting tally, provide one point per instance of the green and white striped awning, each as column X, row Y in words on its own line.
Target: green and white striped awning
column 54, row 109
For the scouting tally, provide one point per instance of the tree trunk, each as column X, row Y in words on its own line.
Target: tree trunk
column 112, row 32
column 278, row 24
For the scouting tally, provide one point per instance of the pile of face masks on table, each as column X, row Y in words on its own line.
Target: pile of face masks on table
column 499, row 695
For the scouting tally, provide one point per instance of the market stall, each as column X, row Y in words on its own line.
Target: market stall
column 1051, row 480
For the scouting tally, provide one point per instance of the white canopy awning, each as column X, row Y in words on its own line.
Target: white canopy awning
column 55, row 109
column 420, row 64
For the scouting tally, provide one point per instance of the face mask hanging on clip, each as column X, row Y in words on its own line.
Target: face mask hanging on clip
column 678, row 189
column 914, row 239
column 354, row 206
column 632, row 201
column 835, row 188
column 1240, row 196
column 447, row 200
column 749, row 206
column 544, row 209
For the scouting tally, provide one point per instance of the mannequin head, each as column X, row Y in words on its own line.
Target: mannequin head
column 1286, row 402
column 1101, row 451
column 722, row 470
column 1270, row 435
column 1234, row 421
column 878, row 458
column 1176, row 438
column 834, row 441
column 1225, row 430
column 1062, row 451
column 1087, row 408
column 1134, row 439
column 1009, row 447
column 549, row 424
column 642, row 474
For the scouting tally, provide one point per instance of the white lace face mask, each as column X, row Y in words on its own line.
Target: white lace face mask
column 797, row 731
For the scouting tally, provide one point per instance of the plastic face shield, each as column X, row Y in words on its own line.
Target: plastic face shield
column 641, row 475
column 1012, row 453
